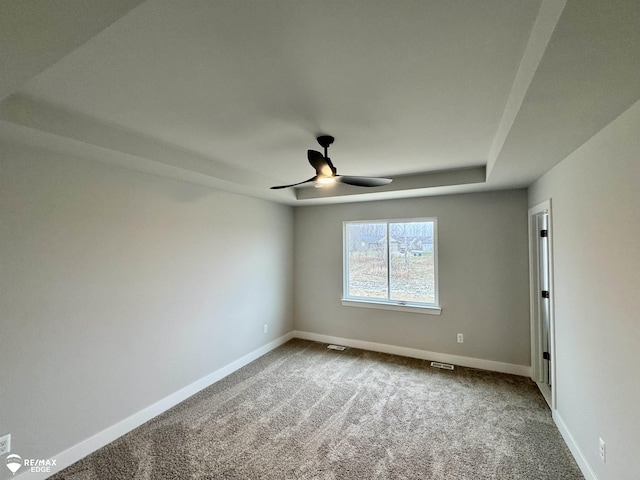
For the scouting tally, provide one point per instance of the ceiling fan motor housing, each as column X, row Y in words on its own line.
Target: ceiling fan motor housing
column 325, row 140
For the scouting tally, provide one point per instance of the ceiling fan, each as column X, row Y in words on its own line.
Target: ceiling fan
column 327, row 174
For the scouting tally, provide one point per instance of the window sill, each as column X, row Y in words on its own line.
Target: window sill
column 429, row 310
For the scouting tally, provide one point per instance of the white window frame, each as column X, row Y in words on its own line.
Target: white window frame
column 403, row 306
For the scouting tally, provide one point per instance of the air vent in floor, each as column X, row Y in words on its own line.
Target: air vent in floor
column 336, row 347
column 446, row 366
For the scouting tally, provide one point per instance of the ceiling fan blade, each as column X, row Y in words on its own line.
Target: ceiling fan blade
column 323, row 165
column 363, row 181
column 312, row 179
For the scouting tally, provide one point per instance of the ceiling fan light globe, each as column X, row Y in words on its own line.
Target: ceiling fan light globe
column 326, row 171
column 323, row 181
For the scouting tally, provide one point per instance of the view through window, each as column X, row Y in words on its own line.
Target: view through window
column 391, row 261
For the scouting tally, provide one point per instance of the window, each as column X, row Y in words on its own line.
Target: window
column 391, row 264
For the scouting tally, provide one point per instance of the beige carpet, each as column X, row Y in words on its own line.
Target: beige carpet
column 305, row 412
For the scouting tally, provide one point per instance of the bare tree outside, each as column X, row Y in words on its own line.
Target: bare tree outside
column 367, row 257
column 393, row 261
column 412, row 264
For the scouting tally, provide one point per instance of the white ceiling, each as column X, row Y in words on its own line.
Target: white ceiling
column 444, row 97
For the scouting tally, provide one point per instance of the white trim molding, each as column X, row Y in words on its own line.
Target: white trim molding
column 584, row 466
column 428, row 309
column 100, row 439
column 548, row 392
column 108, row 435
column 522, row 370
column 387, row 303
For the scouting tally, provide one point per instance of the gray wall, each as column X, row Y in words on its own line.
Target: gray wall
column 596, row 240
column 483, row 276
column 119, row 288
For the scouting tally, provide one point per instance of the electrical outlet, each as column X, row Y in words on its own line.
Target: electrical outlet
column 5, row 444
column 460, row 338
column 602, row 450
column 266, row 327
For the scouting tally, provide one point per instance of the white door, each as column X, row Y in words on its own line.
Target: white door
column 541, row 285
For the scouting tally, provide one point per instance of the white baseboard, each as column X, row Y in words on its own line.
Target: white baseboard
column 585, row 468
column 99, row 440
column 513, row 369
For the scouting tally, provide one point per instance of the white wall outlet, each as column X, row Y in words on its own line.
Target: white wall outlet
column 602, row 450
column 266, row 327
column 460, row 338
column 5, row 444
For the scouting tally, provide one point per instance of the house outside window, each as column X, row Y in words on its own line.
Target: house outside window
column 391, row 264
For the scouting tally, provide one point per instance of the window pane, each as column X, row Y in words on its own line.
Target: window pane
column 367, row 260
column 411, row 261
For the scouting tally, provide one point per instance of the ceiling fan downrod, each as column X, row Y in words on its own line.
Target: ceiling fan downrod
column 325, row 141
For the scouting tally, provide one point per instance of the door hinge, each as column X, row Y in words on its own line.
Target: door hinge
column 545, row 293
column 546, row 355
column 544, row 233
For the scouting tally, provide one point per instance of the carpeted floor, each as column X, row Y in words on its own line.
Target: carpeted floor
column 305, row 412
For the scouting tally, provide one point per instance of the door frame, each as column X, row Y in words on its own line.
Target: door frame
column 537, row 363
